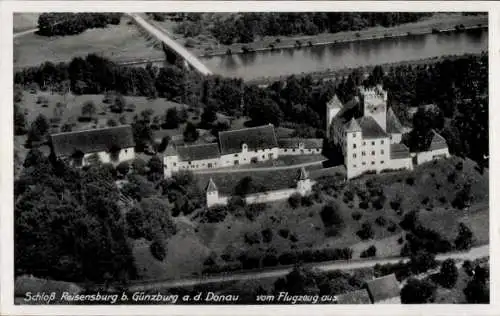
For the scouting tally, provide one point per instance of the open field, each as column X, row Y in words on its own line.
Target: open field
column 206, row 44
column 24, row 21
column 119, row 43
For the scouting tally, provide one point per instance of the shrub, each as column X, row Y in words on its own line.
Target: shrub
column 378, row 203
column 468, row 267
column 267, row 235
column 330, row 215
column 111, row 123
column 288, row 258
column 307, row 200
column 123, row 167
column 370, row 252
column 400, row 240
column 465, row 237
column 293, row 238
column 270, row 260
column 356, row 216
column 418, row 292
column 392, row 227
column 381, row 221
column 410, row 220
column 422, row 262
column 364, row 204
column 254, row 210
column 252, row 238
column 410, row 180
column 477, row 292
column 284, row 232
column 396, row 203
column 448, row 274
column 158, row 250
column 366, row 231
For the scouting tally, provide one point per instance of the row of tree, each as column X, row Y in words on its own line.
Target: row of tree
column 55, row 23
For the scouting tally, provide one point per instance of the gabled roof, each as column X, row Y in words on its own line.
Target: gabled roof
column 309, row 143
column 171, row 151
column 399, row 151
column 260, row 137
column 370, row 128
column 393, row 124
column 352, row 126
column 303, row 174
column 383, row 288
column 354, row 297
column 438, row 142
column 211, row 187
column 198, row 152
column 334, row 103
column 91, row 141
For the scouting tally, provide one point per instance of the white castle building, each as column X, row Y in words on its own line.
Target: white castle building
column 372, row 142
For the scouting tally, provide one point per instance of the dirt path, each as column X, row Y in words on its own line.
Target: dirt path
column 305, row 164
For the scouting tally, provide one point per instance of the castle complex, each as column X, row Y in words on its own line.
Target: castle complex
column 372, row 142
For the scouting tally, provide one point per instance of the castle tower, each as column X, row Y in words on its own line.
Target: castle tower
column 170, row 161
column 333, row 107
column 352, row 150
column 375, row 104
column 304, row 185
column 212, row 193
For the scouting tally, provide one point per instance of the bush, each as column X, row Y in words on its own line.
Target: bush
column 418, row 292
column 381, row 221
column 396, row 203
column 284, row 232
column 468, row 267
column 252, row 238
column 364, row 204
column 158, row 250
column 123, row 168
column 270, row 260
column 465, row 237
column 307, row 200
column 267, row 235
column 477, row 292
column 448, row 274
column 422, row 262
column 356, row 216
column 111, row 123
column 366, row 231
column 392, row 227
column 410, row 220
column 330, row 215
column 288, row 258
column 370, row 252
column 410, row 180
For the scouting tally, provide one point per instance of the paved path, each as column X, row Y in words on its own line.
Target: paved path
column 164, row 38
column 256, row 169
column 19, row 34
column 472, row 254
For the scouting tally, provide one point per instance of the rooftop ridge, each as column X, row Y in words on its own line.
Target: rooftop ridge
column 246, row 128
column 91, row 129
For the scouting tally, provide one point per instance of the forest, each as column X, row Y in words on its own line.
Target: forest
column 52, row 23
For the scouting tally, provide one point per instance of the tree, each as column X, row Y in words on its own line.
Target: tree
column 422, row 261
column 332, row 219
column 264, row 111
column 118, row 105
column 123, row 168
column 38, row 130
column 477, row 292
column 155, row 165
column 151, row 219
column 448, row 274
column 418, row 292
column 33, row 158
column 366, row 231
column 465, row 237
column 88, row 109
column 19, row 121
column 190, row 133
column 171, row 118
column 300, row 281
column 209, row 115
column 369, row 252
column 158, row 250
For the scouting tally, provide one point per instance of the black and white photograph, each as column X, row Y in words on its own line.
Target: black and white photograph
column 253, row 157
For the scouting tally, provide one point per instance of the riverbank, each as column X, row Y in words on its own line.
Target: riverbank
column 338, row 74
column 205, row 46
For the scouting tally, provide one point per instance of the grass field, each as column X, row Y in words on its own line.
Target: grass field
column 121, row 42
column 24, row 21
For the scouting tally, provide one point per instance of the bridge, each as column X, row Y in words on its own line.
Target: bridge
column 160, row 35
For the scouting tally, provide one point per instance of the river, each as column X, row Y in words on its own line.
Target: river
column 346, row 55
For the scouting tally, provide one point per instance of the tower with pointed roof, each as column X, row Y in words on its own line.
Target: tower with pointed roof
column 212, row 193
column 304, row 185
column 352, row 146
column 170, row 161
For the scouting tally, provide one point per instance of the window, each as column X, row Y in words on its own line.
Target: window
column 126, row 150
column 236, row 155
column 364, row 163
column 373, row 143
column 353, row 145
column 363, row 153
column 382, row 162
column 382, row 141
column 364, row 143
column 381, row 151
column 390, row 137
column 354, row 135
column 354, row 166
column 263, row 156
column 373, row 162
column 293, row 150
column 175, row 164
column 353, row 155
column 373, row 153
column 189, row 162
column 236, row 162
column 209, row 165
column 285, row 150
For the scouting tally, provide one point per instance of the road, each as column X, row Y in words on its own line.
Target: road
column 273, row 168
column 164, row 38
column 472, row 254
column 19, row 34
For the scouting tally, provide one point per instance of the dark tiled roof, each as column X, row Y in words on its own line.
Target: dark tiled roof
column 198, row 152
column 393, row 123
column 354, row 297
column 399, row 151
column 309, row 143
column 24, row 284
column 370, row 128
column 91, row 141
column 383, row 288
column 261, row 137
column 438, row 142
